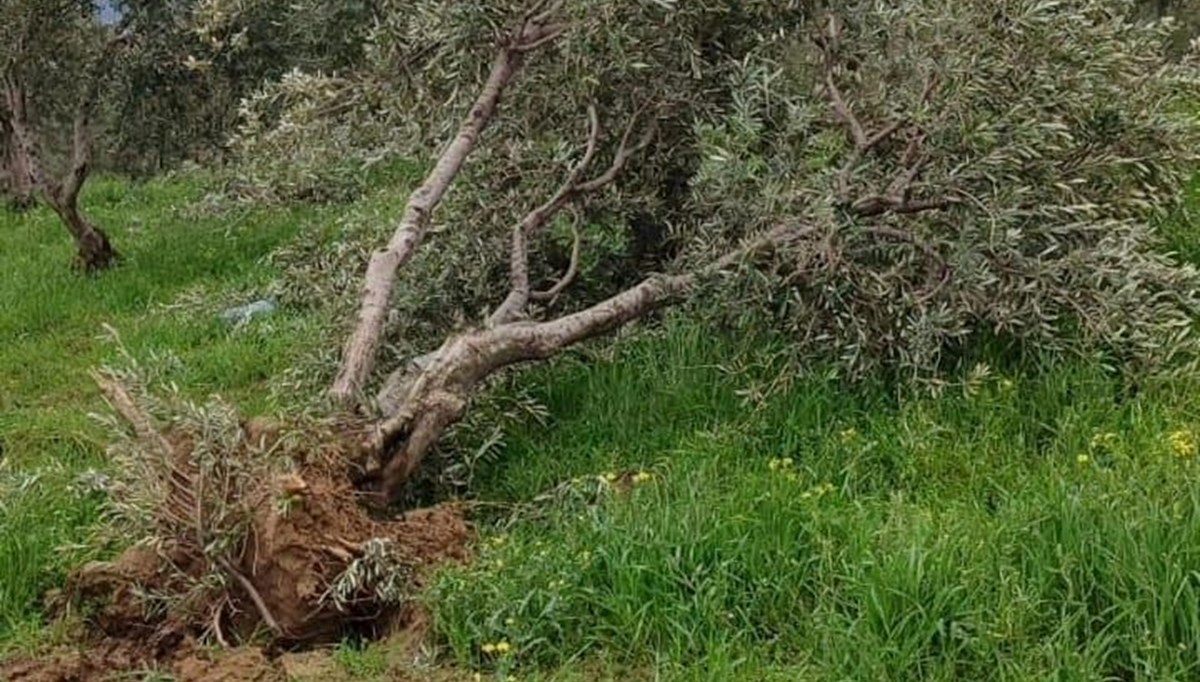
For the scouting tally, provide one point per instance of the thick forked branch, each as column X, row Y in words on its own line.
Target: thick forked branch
column 358, row 358
column 572, row 189
column 439, row 396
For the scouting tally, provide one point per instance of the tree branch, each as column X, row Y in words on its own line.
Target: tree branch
column 572, row 269
column 143, row 424
column 358, row 358
column 896, row 198
column 515, row 303
column 862, row 141
column 518, row 296
column 925, row 248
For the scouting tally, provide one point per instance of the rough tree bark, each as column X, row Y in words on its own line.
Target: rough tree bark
column 429, row 395
column 358, row 357
column 16, row 162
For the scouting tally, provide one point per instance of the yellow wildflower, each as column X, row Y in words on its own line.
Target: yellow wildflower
column 818, row 491
column 1183, row 444
column 489, row 648
column 510, row 621
column 1104, row 440
column 609, row 477
column 643, row 477
column 848, row 435
column 1083, row 458
column 503, row 647
column 781, row 463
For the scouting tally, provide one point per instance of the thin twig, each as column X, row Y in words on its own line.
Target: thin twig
column 263, row 610
column 572, row 269
column 216, row 623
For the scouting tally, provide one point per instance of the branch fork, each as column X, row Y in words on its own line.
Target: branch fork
column 574, row 188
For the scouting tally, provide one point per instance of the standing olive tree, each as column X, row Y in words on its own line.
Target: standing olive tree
column 54, row 56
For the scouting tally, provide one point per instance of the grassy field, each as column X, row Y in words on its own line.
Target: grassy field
column 682, row 514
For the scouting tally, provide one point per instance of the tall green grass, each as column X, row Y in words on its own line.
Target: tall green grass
column 1023, row 527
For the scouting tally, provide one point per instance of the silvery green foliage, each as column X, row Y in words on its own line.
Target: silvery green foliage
column 1058, row 128
column 380, row 574
column 309, row 136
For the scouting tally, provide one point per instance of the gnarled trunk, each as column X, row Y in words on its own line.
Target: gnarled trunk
column 95, row 250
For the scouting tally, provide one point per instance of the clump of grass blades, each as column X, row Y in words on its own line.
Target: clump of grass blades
column 1017, row 526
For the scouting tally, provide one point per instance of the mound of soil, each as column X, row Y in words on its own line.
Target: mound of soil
column 305, row 530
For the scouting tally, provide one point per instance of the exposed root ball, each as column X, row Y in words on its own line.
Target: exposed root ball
column 310, row 566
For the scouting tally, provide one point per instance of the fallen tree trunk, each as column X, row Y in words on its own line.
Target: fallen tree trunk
column 424, row 399
column 439, row 395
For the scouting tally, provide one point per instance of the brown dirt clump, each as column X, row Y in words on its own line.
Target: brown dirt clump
column 294, row 557
column 115, row 660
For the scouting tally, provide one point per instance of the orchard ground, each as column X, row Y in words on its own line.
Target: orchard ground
column 680, row 512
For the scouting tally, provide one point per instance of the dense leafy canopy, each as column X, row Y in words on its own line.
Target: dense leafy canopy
column 1047, row 137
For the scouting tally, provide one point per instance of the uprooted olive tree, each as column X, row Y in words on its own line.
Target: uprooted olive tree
column 902, row 178
column 884, row 181
column 57, row 50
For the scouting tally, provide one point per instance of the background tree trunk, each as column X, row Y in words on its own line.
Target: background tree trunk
column 17, row 163
column 95, row 250
column 20, row 183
